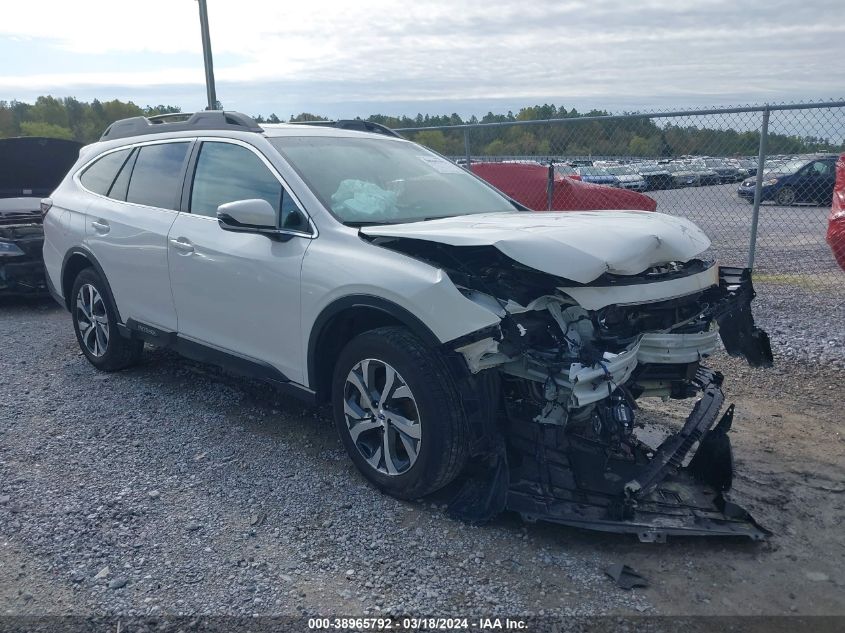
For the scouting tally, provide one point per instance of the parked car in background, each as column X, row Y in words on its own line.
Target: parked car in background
column 683, row 174
column 836, row 223
column 706, row 175
column 628, row 177
column 726, row 171
column 656, row 176
column 795, row 181
column 566, row 170
column 529, row 185
column 459, row 338
column 749, row 166
column 30, row 168
column 597, row 176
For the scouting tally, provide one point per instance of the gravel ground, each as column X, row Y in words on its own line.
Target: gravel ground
column 173, row 488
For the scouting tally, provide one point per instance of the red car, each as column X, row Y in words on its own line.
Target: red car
column 529, row 185
column 836, row 226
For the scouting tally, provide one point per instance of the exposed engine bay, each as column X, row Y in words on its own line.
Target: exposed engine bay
column 566, row 367
column 21, row 240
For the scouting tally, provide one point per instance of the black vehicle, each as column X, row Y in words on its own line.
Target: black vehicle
column 30, row 169
column 657, row 177
column 794, row 181
column 727, row 173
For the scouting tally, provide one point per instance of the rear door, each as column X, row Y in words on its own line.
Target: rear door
column 128, row 222
column 239, row 292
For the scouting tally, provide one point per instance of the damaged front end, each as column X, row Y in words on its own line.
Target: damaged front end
column 21, row 263
column 568, row 368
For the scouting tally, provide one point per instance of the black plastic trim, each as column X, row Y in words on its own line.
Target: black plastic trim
column 206, row 120
column 96, row 265
column 53, row 292
column 339, row 306
column 354, row 124
column 235, row 363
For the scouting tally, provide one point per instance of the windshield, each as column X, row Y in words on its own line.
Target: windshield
column 382, row 181
column 716, row 163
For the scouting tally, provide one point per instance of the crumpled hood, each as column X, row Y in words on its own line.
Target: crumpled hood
column 575, row 245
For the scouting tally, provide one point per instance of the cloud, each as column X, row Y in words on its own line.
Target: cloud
column 378, row 52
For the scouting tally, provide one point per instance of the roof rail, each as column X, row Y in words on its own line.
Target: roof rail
column 205, row 120
column 354, row 124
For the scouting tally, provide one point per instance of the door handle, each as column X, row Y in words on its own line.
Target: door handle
column 182, row 245
column 101, row 226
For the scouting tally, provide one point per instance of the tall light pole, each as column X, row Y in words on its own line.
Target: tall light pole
column 206, row 55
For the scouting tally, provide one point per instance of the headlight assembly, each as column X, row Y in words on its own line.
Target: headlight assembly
column 8, row 249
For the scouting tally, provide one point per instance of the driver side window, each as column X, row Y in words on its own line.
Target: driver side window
column 820, row 168
column 226, row 172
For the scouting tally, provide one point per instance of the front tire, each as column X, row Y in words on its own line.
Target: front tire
column 785, row 197
column 95, row 324
column 398, row 413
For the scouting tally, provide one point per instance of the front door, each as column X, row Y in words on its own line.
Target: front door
column 237, row 292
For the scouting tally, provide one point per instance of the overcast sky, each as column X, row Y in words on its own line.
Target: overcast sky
column 343, row 59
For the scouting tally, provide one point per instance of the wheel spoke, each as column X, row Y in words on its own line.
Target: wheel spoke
column 388, row 453
column 410, row 447
column 366, row 397
column 389, row 378
column 362, row 427
column 102, row 339
column 375, row 460
column 402, row 392
column 80, row 305
column 403, row 424
column 352, row 410
column 90, row 333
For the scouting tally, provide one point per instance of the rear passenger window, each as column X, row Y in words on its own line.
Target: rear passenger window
column 157, row 175
column 121, row 183
column 225, row 173
column 101, row 173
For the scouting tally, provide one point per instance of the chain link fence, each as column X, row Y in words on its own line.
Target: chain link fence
column 757, row 179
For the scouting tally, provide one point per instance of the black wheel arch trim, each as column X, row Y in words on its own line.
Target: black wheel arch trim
column 95, row 264
column 338, row 306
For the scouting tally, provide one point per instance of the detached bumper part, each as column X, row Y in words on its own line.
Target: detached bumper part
column 736, row 325
column 552, row 475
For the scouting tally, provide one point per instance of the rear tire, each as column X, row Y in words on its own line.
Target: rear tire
column 95, row 323
column 398, row 413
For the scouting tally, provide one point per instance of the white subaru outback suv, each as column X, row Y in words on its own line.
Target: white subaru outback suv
column 463, row 341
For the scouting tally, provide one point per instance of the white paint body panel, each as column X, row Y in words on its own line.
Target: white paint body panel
column 239, row 291
column 340, row 264
column 595, row 297
column 580, row 246
column 134, row 255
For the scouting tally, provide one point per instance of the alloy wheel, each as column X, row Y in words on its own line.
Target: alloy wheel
column 785, row 197
column 382, row 417
column 92, row 319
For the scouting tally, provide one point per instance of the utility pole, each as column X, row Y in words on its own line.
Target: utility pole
column 206, row 55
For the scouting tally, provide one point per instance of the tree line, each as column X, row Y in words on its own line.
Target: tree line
column 69, row 118
column 580, row 135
